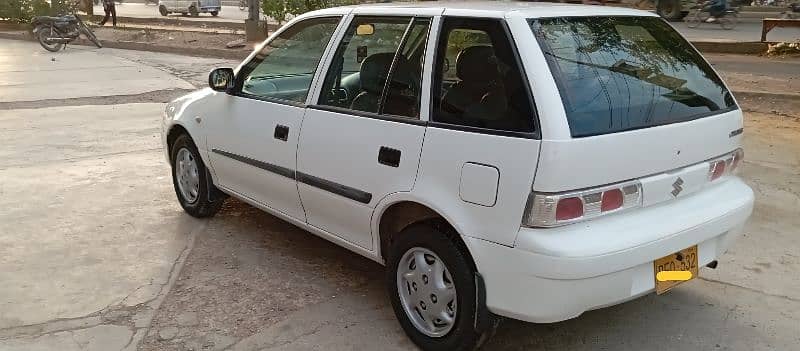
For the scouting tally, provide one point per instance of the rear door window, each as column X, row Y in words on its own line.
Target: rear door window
column 478, row 82
column 623, row 73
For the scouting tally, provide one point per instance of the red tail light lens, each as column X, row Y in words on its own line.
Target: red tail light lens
column 569, row 208
column 612, row 200
column 717, row 169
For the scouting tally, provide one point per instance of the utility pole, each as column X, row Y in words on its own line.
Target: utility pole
column 252, row 25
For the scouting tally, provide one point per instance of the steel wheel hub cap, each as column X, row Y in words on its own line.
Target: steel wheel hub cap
column 427, row 292
column 187, row 175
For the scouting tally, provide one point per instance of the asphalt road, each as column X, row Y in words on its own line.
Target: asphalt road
column 97, row 254
column 747, row 30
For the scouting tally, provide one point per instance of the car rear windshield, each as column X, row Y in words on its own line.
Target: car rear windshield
column 623, row 73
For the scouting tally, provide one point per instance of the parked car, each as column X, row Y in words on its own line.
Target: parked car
column 192, row 7
column 532, row 161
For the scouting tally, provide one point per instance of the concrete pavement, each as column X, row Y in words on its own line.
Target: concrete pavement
column 89, row 236
column 97, row 254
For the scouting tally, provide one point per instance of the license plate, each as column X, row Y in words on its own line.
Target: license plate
column 675, row 267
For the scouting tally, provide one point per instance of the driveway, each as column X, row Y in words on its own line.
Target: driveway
column 97, row 254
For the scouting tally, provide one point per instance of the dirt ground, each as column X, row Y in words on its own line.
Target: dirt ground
column 168, row 38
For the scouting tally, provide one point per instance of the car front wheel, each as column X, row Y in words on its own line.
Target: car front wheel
column 198, row 197
column 432, row 287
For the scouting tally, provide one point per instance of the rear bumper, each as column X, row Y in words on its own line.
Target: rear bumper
column 557, row 274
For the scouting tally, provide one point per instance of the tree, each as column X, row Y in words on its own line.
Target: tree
column 21, row 11
column 281, row 10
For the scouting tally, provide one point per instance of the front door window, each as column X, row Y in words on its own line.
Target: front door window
column 284, row 68
column 378, row 67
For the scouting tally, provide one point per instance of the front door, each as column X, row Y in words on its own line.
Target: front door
column 363, row 139
column 253, row 146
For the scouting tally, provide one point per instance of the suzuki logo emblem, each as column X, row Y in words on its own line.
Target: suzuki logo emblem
column 676, row 187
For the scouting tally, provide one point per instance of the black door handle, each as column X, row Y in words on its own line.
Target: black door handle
column 389, row 157
column 281, row 132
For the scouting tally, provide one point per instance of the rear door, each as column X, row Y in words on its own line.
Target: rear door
column 481, row 146
column 362, row 140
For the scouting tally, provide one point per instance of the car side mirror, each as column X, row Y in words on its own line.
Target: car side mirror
column 221, row 79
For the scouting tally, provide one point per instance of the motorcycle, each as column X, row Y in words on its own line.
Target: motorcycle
column 54, row 33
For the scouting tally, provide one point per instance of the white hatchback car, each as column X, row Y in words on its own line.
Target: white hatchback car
column 533, row 161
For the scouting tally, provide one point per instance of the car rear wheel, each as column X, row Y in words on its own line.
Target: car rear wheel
column 214, row 13
column 432, row 287
column 198, row 197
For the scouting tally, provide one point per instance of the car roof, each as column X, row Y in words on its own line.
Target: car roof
column 489, row 9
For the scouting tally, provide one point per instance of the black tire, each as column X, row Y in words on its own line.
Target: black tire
column 214, row 13
column 209, row 199
column 43, row 33
column 670, row 10
column 464, row 334
column 89, row 34
column 163, row 10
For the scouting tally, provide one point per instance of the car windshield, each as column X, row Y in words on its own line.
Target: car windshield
column 622, row 73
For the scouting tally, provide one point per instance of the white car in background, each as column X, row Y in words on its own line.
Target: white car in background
column 191, row 7
column 527, row 160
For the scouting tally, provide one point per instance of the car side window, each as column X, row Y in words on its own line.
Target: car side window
column 375, row 50
column 478, row 81
column 284, row 68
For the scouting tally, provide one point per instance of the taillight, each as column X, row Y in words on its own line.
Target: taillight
column 550, row 210
column 569, row 208
column 612, row 200
column 717, row 169
column 727, row 164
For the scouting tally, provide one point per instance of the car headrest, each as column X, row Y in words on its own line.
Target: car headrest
column 476, row 64
column 375, row 69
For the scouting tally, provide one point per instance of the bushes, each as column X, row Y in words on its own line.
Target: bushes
column 21, row 11
column 281, row 10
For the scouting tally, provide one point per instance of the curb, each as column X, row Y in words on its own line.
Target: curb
column 230, row 54
column 747, row 94
column 178, row 22
column 723, row 47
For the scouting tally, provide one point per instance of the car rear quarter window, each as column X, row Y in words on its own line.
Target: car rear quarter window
column 623, row 73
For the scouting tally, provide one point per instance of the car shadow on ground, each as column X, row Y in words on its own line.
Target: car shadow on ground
column 250, row 272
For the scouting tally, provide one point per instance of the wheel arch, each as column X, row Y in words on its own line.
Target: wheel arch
column 393, row 215
column 175, row 130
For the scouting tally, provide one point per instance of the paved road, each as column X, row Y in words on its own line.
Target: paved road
column 748, row 30
column 97, row 254
column 744, row 31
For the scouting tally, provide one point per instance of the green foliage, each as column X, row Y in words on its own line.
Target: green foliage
column 281, row 10
column 21, row 11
